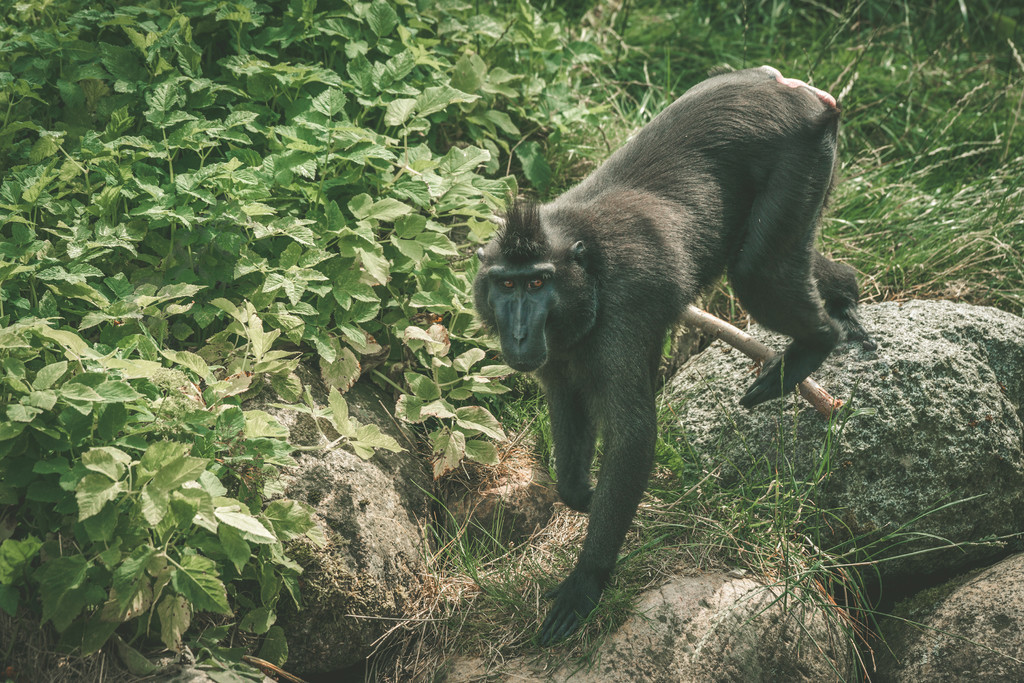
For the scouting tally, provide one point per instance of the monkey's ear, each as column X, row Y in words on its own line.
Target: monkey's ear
column 480, row 253
column 579, row 253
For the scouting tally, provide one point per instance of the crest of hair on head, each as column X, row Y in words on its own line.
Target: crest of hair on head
column 522, row 238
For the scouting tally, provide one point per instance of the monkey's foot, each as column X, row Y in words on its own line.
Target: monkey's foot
column 781, row 374
column 575, row 598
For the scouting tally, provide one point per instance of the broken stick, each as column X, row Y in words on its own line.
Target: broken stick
column 822, row 401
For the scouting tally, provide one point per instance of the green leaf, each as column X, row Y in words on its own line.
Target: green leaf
column 290, row 518
column 470, row 72
column 275, row 646
column 258, row 620
column 343, row 372
column 535, row 166
column 62, row 589
column 399, row 111
column 196, row 579
column 483, row 452
column 75, row 391
column 116, row 391
column 382, row 18
column 133, row 659
column 339, row 413
column 422, row 387
column 177, row 471
column 478, row 419
column 262, row 424
column 175, row 617
column 250, row 528
column 106, row 460
column 189, row 360
column 93, row 492
column 16, row 556
column 234, row 546
column 49, row 374
column 437, row 98
column 465, row 361
column 369, row 436
column 452, row 449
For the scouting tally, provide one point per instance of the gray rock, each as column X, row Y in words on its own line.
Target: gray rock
column 711, row 627
column 970, row 629
column 936, row 422
column 372, row 513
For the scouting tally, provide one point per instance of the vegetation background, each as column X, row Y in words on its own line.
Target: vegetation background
column 194, row 196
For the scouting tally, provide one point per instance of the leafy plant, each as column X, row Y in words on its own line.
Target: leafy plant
column 194, row 195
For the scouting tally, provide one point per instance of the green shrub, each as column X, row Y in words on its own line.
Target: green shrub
column 195, row 193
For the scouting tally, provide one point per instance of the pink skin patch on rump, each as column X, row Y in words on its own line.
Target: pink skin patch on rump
column 796, row 83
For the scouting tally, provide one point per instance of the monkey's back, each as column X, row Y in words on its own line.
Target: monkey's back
column 681, row 189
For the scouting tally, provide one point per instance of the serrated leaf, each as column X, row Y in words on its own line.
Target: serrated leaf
column 477, row 418
column 261, row 424
column 369, row 435
column 343, row 372
column 399, row 111
column 61, row 589
column 463, row 362
column 16, row 556
column 106, row 460
column 93, row 492
column 439, row 97
column 116, row 391
column 258, row 620
column 234, row 546
column 339, row 413
column 133, row 659
column 452, row 449
column 422, row 387
column 483, row 452
column 175, row 618
column 196, row 579
column 382, row 18
column 275, row 646
column 290, row 518
column 248, row 526
column 189, row 360
column 330, row 102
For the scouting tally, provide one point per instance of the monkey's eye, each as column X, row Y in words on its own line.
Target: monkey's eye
column 508, row 284
column 536, row 284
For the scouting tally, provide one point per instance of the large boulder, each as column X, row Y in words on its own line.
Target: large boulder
column 930, row 445
column 372, row 513
column 970, row 629
column 709, row 627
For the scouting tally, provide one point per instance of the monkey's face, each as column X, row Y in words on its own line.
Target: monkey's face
column 519, row 299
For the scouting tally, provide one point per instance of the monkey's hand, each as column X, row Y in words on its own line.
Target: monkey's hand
column 577, row 498
column 575, row 598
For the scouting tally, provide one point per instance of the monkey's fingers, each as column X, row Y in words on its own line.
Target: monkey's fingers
column 575, row 599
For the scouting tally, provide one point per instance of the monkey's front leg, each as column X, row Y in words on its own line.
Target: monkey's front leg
column 625, row 466
column 574, row 434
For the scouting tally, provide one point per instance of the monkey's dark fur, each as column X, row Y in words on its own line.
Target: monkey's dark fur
column 582, row 290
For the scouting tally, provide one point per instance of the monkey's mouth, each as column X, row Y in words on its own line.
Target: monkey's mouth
column 521, row 364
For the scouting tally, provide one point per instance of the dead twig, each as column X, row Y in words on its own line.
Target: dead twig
column 822, row 401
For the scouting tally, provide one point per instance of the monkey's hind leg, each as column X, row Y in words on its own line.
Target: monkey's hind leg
column 772, row 273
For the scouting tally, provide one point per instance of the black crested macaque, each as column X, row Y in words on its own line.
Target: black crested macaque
column 731, row 176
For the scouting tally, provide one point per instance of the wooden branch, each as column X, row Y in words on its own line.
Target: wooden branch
column 738, row 339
